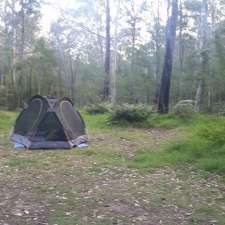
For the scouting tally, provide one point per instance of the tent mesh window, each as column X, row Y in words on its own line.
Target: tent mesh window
column 50, row 129
column 71, row 120
column 30, row 118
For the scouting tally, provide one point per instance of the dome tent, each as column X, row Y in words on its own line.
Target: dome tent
column 49, row 123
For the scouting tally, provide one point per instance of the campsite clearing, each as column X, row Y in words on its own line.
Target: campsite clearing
column 100, row 186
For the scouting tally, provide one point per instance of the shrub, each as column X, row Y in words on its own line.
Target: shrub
column 185, row 108
column 130, row 113
column 98, row 108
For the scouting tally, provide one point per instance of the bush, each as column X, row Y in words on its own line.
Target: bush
column 98, row 108
column 130, row 113
column 185, row 108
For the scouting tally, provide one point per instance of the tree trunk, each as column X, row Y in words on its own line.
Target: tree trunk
column 72, row 74
column 163, row 104
column 115, row 48
column 133, row 42
column 181, row 52
column 60, row 92
column 157, row 53
column 100, row 39
column 106, row 90
column 22, row 30
column 13, row 48
column 200, row 94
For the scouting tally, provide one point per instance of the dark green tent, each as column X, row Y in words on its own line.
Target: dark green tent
column 49, row 123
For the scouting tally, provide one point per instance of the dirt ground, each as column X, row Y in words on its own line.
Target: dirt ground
column 94, row 186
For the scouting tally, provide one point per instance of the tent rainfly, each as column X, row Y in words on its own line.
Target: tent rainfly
column 49, row 123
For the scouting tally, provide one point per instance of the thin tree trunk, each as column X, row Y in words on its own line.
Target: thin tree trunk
column 59, row 82
column 106, row 90
column 100, row 39
column 22, row 30
column 72, row 83
column 181, row 51
column 163, row 105
column 133, row 33
column 30, row 81
column 200, row 94
column 115, row 56
column 157, row 75
column 13, row 47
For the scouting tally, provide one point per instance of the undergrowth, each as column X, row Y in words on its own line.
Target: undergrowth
column 203, row 147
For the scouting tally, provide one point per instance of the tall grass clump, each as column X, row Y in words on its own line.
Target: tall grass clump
column 129, row 114
column 203, row 147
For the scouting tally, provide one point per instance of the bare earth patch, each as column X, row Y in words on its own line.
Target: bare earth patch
column 86, row 187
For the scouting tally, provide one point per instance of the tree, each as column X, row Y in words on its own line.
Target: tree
column 200, row 94
column 115, row 56
column 106, row 88
column 163, row 104
column 156, row 36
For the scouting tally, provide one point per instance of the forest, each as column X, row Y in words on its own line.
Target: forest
column 144, row 141
column 116, row 51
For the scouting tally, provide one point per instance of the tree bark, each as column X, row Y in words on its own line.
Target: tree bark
column 73, row 72
column 133, row 43
column 22, row 30
column 181, row 51
column 157, row 53
column 115, row 56
column 163, row 104
column 201, row 92
column 106, row 88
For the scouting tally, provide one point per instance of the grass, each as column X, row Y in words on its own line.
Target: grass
column 99, row 123
column 6, row 120
column 170, row 121
column 203, row 147
column 97, row 186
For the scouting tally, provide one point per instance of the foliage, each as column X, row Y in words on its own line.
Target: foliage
column 6, row 120
column 130, row 113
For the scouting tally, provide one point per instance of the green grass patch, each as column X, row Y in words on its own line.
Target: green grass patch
column 170, row 121
column 203, row 147
column 96, row 122
column 6, row 120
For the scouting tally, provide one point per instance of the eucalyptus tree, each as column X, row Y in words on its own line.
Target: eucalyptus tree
column 106, row 87
column 115, row 55
column 163, row 104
